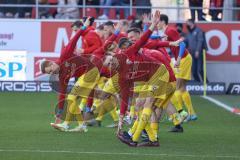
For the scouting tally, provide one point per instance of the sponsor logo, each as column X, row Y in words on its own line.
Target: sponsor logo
column 25, row 86
column 13, row 65
column 212, row 88
column 234, row 88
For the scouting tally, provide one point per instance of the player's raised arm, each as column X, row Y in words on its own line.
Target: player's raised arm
column 142, row 41
column 68, row 51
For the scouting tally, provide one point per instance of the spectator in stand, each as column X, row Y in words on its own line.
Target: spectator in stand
column 43, row 12
column 105, row 10
column 71, row 12
column 94, row 3
column 16, row 12
column 196, row 43
column 115, row 3
column 145, row 3
column 9, row 12
column 2, row 10
column 24, row 12
column 196, row 3
column 214, row 11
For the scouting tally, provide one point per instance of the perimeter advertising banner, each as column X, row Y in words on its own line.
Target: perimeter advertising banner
column 223, row 42
column 13, row 65
column 50, row 36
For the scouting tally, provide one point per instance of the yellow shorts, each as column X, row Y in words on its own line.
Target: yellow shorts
column 112, row 85
column 85, row 84
column 163, row 100
column 101, row 83
column 158, row 86
column 184, row 70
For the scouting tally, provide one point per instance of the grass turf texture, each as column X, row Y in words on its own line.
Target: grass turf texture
column 25, row 133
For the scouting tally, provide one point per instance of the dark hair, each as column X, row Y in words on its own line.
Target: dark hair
column 109, row 23
column 100, row 27
column 179, row 25
column 91, row 20
column 77, row 24
column 136, row 24
column 43, row 65
column 122, row 41
column 191, row 21
column 164, row 17
column 136, row 30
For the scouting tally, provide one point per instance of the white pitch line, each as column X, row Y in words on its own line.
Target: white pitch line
column 220, row 104
column 120, row 153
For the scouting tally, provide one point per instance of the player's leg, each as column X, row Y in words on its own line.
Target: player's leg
column 84, row 87
column 182, row 77
column 144, row 119
column 187, row 101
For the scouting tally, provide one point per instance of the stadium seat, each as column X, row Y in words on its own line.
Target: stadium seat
column 112, row 13
column 33, row 15
column 121, row 14
column 53, row 1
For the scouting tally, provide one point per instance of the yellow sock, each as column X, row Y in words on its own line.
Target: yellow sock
column 151, row 134
column 83, row 103
column 132, row 111
column 70, row 111
column 176, row 119
column 133, row 129
column 177, row 100
column 68, row 118
column 101, row 112
column 79, row 118
column 111, row 107
column 75, row 111
column 187, row 101
column 96, row 102
column 114, row 114
column 104, row 108
column 143, row 121
column 154, row 126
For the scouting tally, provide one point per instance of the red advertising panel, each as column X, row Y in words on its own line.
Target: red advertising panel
column 54, row 35
column 223, row 39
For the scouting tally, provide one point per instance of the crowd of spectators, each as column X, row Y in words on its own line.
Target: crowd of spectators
column 71, row 9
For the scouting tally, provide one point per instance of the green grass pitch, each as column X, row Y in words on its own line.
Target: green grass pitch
column 25, row 133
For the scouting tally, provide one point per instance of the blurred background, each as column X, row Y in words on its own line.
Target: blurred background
column 31, row 31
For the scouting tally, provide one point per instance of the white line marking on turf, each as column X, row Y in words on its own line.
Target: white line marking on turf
column 112, row 153
column 220, row 104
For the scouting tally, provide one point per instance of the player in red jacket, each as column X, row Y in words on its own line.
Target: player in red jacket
column 183, row 64
column 91, row 41
column 70, row 65
column 133, row 67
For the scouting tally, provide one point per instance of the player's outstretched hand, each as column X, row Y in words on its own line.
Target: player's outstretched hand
column 87, row 22
column 156, row 18
column 119, row 26
column 146, row 18
column 176, row 43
